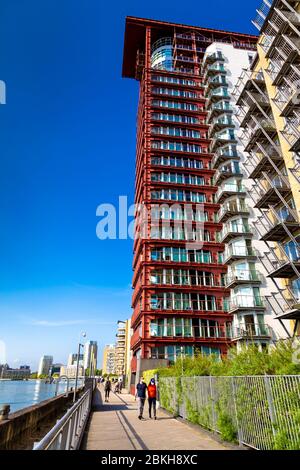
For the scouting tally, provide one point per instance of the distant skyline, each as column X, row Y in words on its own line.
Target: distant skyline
column 67, row 145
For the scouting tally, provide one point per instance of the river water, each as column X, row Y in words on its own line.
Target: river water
column 21, row 393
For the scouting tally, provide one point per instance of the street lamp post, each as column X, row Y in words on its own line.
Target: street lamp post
column 77, row 366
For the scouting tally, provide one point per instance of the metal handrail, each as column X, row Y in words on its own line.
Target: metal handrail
column 68, row 431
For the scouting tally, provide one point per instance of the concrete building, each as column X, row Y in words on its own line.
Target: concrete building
column 122, row 354
column 246, row 278
column 21, row 373
column 268, row 96
column 90, row 355
column 70, row 371
column 180, row 300
column 72, row 359
column 45, row 365
column 109, row 355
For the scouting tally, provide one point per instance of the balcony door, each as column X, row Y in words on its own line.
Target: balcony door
column 250, row 324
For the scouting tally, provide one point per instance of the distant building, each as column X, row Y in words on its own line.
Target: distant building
column 109, row 355
column 7, row 372
column 45, row 365
column 72, row 360
column 90, row 355
column 122, row 357
column 56, row 368
column 70, row 371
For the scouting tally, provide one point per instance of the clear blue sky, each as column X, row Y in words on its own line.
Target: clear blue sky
column 67, row 145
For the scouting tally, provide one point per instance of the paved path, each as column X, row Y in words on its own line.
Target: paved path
column 115, row 425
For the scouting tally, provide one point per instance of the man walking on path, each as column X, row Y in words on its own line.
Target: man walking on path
column 141, row 396
column 107, row 389
column 152, row 398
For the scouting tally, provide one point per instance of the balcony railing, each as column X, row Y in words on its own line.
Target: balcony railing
column 242, row 277
column 237, row 252
column 185, row 280
column 230, row 209
column 254, row 330
column 229, row 190
column 246, row 302
column 226, row 172
column 204, row 332
column 231, row 231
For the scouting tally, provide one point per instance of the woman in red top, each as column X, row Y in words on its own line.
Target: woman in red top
column 152, row 398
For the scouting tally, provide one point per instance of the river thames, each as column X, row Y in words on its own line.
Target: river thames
column 21, row 393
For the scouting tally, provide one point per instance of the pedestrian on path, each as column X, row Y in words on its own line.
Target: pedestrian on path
column 107, row 389
column 152, row 398
column 140, row 394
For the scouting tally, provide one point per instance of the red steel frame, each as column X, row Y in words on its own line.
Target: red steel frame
column 139, row 36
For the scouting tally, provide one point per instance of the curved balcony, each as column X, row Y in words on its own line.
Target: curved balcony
column 219, row 108
column 217, row 94
column 245, row 303
column 221, row 140
column 235, row 253
column 220, row 123
column 231, row 231
column 252, row 331
column 216, row 81
column 223, row 155
column 237, row 278
column 229, row 190
column 232, row 209
column 225, row 172
column 213, row 70
column 213, row 58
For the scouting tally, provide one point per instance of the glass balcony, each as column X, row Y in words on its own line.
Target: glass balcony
column 213, row 58
column 251, row 331
column 225, row 138
column 228, row 190
column 231, row 209
column 246, row 302
column 235, row 252
column 239, row 277
column 219, row 108
column 218, row 93
column 233, row 230
column 217, row 81
column 223, row 155
column 220, row 123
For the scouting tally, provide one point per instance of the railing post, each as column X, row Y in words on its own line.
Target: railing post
column 234, row 395
column 271, row 407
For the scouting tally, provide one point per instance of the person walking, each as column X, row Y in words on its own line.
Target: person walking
column 120, row 384
column 107, row 389
column 152, row 398
column 140, row 394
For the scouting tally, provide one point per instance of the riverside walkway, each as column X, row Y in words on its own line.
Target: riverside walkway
column 115, row 426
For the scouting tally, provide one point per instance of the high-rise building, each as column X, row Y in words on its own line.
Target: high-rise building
column 181, row 293
column 122, row 356
column 109, row 354
column 45, row 365
column 90, row 355
column 268, row 96
column 253, row 317
column 72, row 359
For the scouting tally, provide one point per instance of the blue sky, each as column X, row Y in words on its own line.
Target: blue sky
column 67, row 145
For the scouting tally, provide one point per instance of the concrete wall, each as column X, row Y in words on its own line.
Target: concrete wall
column 23, row 425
